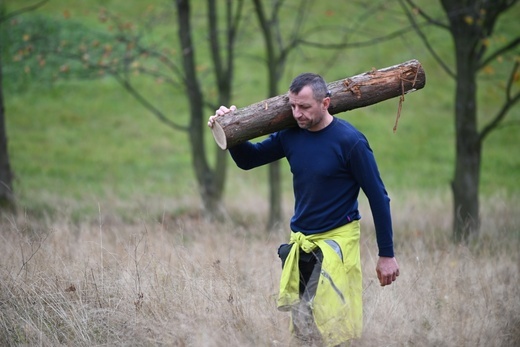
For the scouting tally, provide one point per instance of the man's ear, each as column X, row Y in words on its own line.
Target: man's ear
column 326, row 102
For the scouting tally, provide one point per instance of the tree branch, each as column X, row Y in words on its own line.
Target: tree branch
column 423, row 14
column 159, row 75
column 23, row 10
column 500, row 51
column 359, row 44
column 264, row 27
column 147, row 104
column 507, row 124
column 299, row 21
column 233, row 25
column 510, row 101
column 424, row 38
column 214, row 42
column 161, row 57
column 294, row 37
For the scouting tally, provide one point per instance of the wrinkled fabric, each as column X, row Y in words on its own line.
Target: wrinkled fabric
column 337, row 306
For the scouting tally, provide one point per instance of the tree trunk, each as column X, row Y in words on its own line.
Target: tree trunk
column 210, row 194
column 7, row 201
column 465, row 185
column 274, row 63
column 275, row 114
column 275, row 196
column 468, row 152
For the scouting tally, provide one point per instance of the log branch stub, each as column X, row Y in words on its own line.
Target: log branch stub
column 274, row 114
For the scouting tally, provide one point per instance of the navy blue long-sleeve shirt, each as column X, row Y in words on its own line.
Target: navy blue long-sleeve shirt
column 329, row 168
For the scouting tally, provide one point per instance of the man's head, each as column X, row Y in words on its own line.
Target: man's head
column 314, row 81
column 309, row 99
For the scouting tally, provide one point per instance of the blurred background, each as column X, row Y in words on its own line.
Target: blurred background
column 104, row 110
column 86, row 83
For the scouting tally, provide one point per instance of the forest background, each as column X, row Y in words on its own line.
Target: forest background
column 109, row 245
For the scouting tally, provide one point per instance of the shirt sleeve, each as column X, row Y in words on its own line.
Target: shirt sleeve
column 249, row 155
column 365, row 171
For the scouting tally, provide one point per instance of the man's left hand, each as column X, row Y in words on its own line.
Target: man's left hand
column 387, row 270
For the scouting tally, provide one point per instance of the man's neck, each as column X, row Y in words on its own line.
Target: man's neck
column 327, row 119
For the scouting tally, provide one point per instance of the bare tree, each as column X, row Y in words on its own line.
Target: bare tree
column 7, row 200
column 471, row 24
column 211, row 182
column 277, row 53
column 127, row 51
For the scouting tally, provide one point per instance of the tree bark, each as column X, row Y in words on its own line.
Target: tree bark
column 7, row 201
column 275, row 113
column 465, row 184
column 274, row 64
column 210, row 197
column 210, row 182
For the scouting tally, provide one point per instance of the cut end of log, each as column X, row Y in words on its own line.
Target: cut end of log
column 219, row 135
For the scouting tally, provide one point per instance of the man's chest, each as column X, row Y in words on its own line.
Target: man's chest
column 317, row 162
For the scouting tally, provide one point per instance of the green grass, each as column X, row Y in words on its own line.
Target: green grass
column 85, row 140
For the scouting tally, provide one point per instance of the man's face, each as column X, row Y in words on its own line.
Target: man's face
column 308, row 113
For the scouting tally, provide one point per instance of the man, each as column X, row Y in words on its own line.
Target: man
column 330, row 161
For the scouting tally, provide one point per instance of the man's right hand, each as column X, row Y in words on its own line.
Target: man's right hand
column 220, row 112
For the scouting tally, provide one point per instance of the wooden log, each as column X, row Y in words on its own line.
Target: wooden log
column 275, row 113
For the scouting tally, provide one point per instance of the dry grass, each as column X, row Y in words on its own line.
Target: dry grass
column 181, row 281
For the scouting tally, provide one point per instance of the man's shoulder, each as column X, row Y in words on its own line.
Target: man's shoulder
column 348, row 132
column 346, row 125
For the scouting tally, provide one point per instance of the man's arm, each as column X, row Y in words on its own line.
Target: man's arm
column 367, row 174
column 249, row 155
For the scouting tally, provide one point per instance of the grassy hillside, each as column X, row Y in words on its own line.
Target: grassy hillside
column 88, row 139
column 109, row 247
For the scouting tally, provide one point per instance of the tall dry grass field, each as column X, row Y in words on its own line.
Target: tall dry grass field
column 181, row 281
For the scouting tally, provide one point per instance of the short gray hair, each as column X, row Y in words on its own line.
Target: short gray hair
column 315, row 81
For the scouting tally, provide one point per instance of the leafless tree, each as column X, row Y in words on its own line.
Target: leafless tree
column 127, row 50
column 471, row 24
